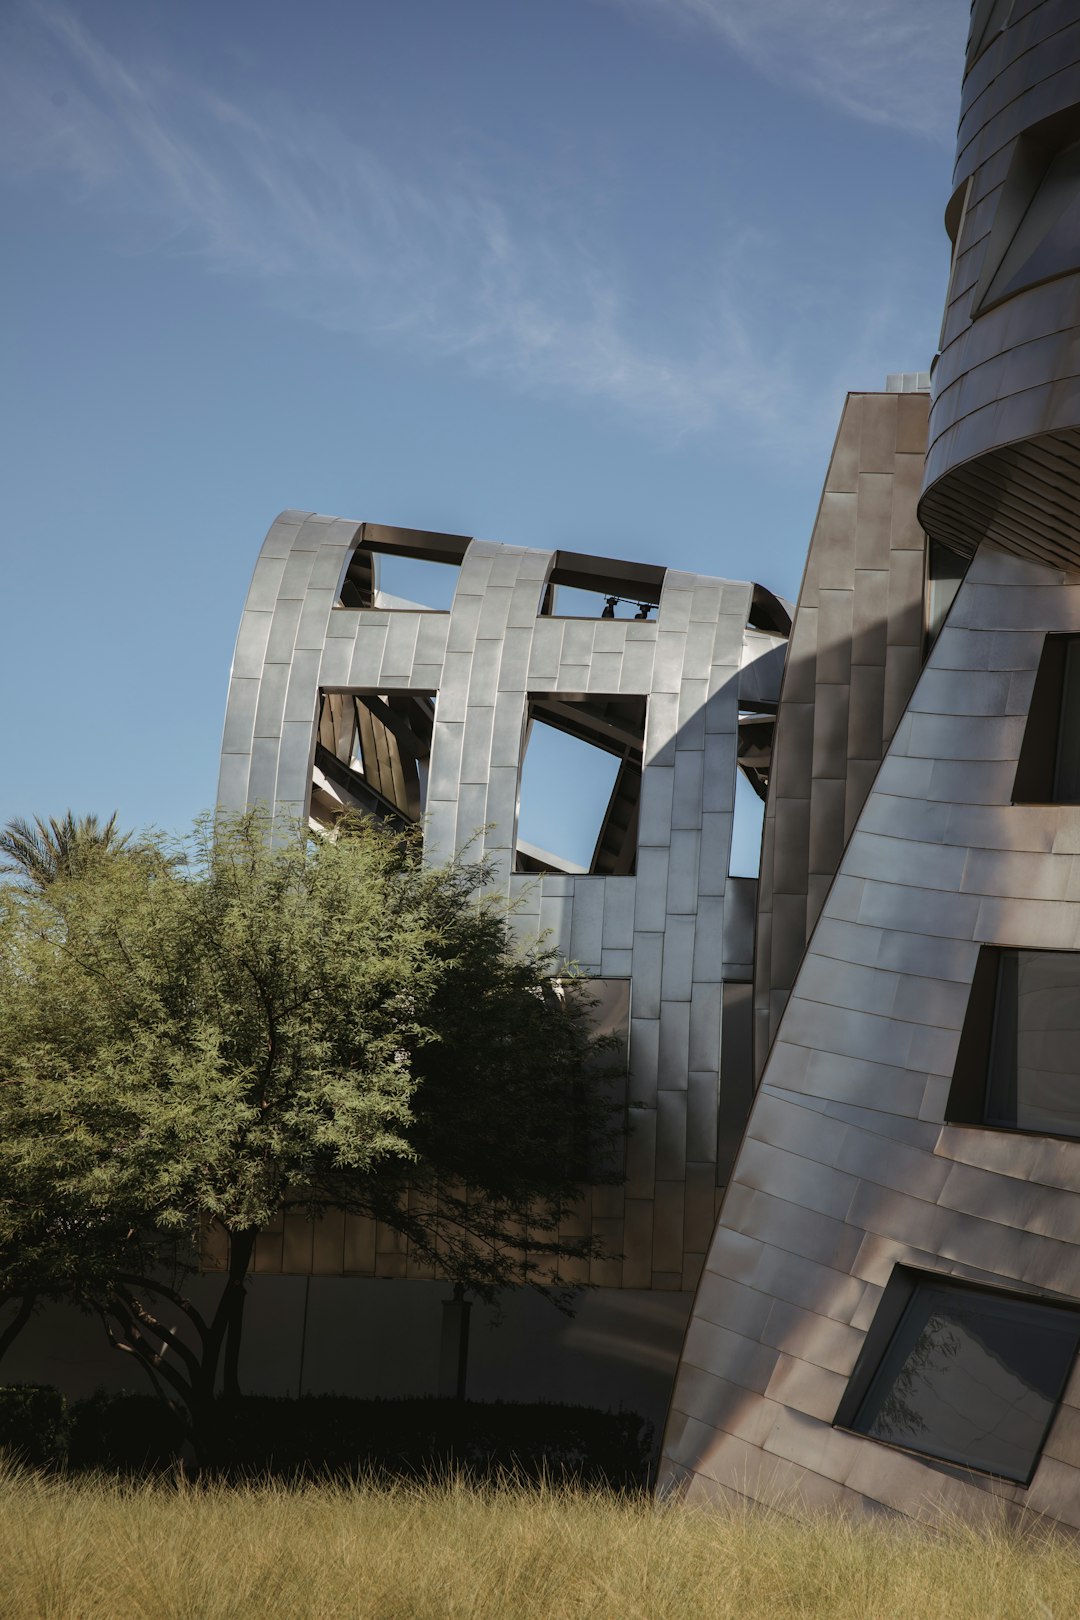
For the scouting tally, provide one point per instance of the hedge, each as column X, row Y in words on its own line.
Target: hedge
column 337, row 1435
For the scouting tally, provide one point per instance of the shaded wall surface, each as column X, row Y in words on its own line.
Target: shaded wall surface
column 357, row 1336
column 855, row 651
column 679, row 929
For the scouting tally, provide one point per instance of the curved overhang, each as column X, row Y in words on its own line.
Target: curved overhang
column 1023, row 495
column 1003, row 460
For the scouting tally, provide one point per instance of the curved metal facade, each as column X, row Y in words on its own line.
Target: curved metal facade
column 679, row 929
column 1004, row 456
column 855, row 650
column 855, row 1172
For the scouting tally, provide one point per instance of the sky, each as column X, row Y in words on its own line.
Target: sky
column 592, row 274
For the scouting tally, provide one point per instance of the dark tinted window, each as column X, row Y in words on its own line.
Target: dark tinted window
column 1033, row 1081
column 1067, row 757
column 969, row 1376
column 1048, row 770
column 945, row 570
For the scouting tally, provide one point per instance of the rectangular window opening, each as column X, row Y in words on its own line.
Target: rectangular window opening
column 964, row 1374
column 748, row 820
column 1048, row 770
column 583, row 587
column 1018, row 1062
column 945, row 570
column 403, row 570
column 580, row 784
column 372, row 751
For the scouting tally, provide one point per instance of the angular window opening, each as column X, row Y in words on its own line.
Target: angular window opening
column 1048, row 770
column 583, row 587
column 1018, row 1062
column 768, row 613
column 372, row 752
column 757, row 726
column 746, row 829
column 570, row 602
column 964, row 1374
column 945, row 570
column 580, row 784
column 403, row 570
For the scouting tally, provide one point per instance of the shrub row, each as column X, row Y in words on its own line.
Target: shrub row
column 319, row 1435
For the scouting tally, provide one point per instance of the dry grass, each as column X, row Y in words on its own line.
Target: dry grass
column 95, row 1548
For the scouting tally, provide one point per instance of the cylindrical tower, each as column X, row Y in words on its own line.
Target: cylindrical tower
column 1004, row 452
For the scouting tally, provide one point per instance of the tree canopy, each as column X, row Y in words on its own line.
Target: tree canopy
column 39, row 852
column 308, row 1022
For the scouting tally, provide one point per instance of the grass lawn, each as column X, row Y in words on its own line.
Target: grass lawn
column 90, row 1548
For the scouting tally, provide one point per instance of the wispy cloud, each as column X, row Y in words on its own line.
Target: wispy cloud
column 432, row 254
column 894, row 62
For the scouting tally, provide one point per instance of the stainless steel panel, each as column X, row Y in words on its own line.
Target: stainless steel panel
column 618, row 929
column 682, row 887
column 739, row 920
column 673, row 1057
column 655, row 813
column 650, row 909
column 677, row 975
column 648, row 962
column 586, row 939
column 710, row 961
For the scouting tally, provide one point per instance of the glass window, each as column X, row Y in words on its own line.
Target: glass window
column 1033, row 1080
column 969, row 1376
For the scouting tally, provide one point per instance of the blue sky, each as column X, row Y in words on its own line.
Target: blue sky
column 581, row 273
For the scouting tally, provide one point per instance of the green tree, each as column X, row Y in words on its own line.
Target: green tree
column 41, row 1257
column 314, row 1023
column 39, row 852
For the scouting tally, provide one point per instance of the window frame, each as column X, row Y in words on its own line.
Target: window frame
column 900, row 1294
column 608, row 735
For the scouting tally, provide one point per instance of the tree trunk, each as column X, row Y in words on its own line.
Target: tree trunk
column 17, row 1323
column 241, row 1246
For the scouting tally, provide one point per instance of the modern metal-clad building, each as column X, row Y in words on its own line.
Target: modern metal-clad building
column 343, row 695
column 890, row 1310
column 855, row 650
column 872, row 1261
